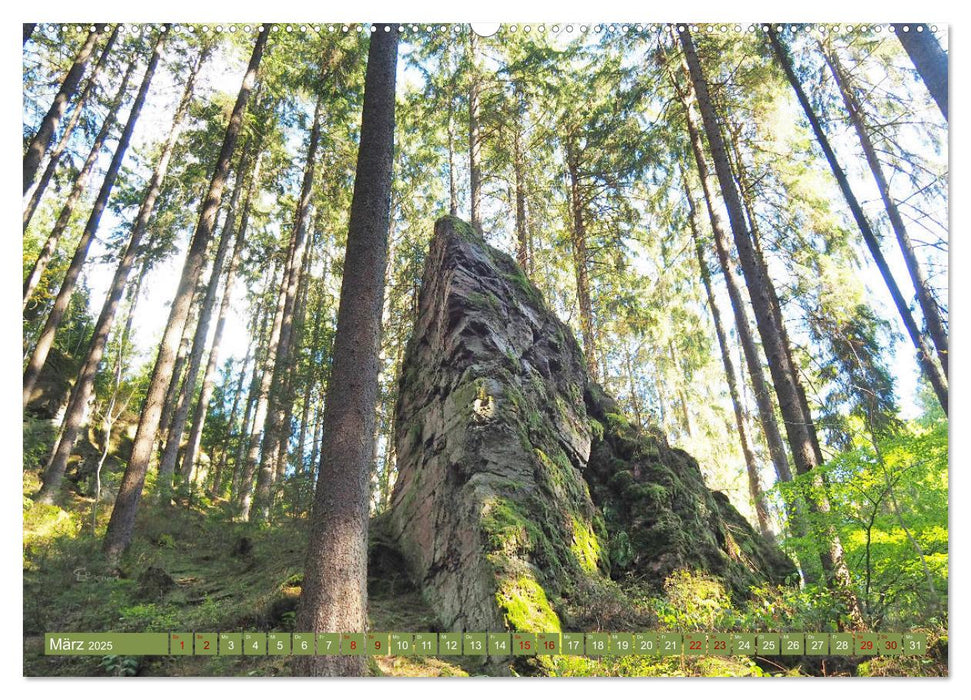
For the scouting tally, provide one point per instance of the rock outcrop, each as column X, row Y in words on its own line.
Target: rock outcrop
column 521, row 488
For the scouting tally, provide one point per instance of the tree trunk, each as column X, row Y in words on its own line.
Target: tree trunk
column 84, row 385
column 579, row 240
column 256, row 435
column 209, row 375
column 931, row 370
column 928, row 305
column 200, row 341
column 122, row 523
column 28, row 30
column 751, row 467
column 775, row 307
column 928, row 58
column 522, row 239
column 475, row 138
column 42, row 139
column 277, row 429
column 55, row 158
column 46, row 339
column 334, row 597
column 80, row 183
column 797, row 428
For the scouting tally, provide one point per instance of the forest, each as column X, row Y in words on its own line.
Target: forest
column 595, row 328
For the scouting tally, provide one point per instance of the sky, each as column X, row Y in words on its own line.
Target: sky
column 224, row 73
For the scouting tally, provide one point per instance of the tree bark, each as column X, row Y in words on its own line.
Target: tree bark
column 277, row 429
column 122, row 523
column 200, row 341
column 475, row 138
column 751, row 467
column 797, row 423
column 28, row 30
column 519, row 173
column 928, row 305
column 38, row 192
column 45, row 133
column 84, row 385
column 578, row 239
column 334, row 596
column 930, row 369
column 209, row 375
column 80, row 182
column 39, row 357
column 928, row 58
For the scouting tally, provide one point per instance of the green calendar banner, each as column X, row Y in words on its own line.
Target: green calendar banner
column 793, row 643
column 523, row 644
column 352, row 644
column 101, row 644
column 450, row 644
column 481, row 644
column 205, row 643
column 303, row 643
column 647, row 643
column 402, row 644
column 230, row 643
column 548, row 644
column 328, row 644
column 817, row 644
column 719, row 644
column 378, row 643
column 180, row 644
column 743, row 644
column 278, row 644
column 254, row 643
column 475, row 644
column 500, row 644
column 572, row 643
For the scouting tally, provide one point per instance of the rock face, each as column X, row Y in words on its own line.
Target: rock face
column 521, row 489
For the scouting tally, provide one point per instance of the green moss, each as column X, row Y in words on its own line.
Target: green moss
column 486, row 301
column 525, row 605
column 463, row 229
column 505, row 527
column 585, row 546
column 518, row 279
column 596, row 429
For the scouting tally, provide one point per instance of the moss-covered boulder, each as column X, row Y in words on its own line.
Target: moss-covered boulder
column 521, row 489
column 660, row 515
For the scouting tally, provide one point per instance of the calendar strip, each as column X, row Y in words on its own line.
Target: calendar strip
column 486, row 644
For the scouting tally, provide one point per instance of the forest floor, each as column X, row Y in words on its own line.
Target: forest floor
column 185, row 572
column 190, row 571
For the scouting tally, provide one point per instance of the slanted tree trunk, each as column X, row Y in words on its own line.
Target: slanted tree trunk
column 45, row 133
column 334, row 597
column 55, row 157
column 39, row 356
column 775, row 307
column 475, row 138
column 77, row 189
column 122, row 523
column 209, row 375
column 751, row 466
column 200, row 340
column 262, row 397
column 28, row 30
column 84, row 385
column 786, row 385
column 930, row 369
column 928, row 305
column 928, row 58
column 578, row 238
column 278, row 427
